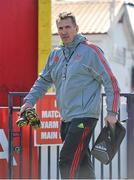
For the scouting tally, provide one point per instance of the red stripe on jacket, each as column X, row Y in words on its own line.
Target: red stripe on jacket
column 114, row 83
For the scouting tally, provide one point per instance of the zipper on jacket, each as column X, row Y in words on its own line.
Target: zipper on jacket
column 67, row 60
column 65, row 72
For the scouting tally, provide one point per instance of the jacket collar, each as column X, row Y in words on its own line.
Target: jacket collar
column 78, row 38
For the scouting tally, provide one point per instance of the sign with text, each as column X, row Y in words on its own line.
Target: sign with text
column 49, row 133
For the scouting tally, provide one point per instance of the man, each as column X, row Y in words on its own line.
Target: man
column 78, row 69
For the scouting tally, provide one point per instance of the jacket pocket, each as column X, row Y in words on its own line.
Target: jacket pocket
column 95, row 75
column 87, row 98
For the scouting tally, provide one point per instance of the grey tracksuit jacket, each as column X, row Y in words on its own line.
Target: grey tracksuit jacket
column 78, row 71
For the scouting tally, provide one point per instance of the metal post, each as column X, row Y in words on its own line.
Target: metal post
column 119, row 154
column 21, row 154
column 58, row 154
column 39, row 165
column 30, row 153
column 49, row 165
column 10, row 148
column 110, row 170
column 102, row 103
column 130, row 137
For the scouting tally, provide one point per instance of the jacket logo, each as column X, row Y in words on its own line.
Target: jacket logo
column 100, row 147
column 77, row 57
column 56, row 58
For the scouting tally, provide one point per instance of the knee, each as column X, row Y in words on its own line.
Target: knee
column 64, row 159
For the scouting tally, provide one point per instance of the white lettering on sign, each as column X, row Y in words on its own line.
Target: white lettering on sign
column 4, row 145
column 50, row 124
column 51, row 114
column 49, row 135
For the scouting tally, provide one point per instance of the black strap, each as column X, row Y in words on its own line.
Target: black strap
column 67, row 59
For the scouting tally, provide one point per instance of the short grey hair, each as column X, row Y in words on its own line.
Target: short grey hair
column 66, row 15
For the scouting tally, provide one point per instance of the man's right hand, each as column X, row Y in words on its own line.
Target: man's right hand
column 22, row 121
column 24, row 107
column 28, row 116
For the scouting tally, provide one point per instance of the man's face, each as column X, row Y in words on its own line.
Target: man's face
column 67, row 30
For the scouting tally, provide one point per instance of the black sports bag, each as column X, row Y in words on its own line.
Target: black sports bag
column 108, row 143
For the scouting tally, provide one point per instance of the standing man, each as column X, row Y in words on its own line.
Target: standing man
column 78, row 69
